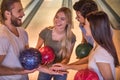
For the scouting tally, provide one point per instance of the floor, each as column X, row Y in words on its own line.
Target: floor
column 44, row 18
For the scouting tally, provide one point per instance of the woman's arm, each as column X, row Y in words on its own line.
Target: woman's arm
column 64, row 67
column 80, row 61
column 105, row 71
column 77, row 67
column 45, row 69
column 39, row 43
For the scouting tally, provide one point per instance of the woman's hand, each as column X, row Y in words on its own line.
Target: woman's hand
column 50, row 70
column 59, row 67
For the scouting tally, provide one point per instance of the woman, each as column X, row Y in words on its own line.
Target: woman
column 103, row 57
column 60, row 38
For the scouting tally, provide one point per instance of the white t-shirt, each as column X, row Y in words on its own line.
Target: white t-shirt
column 10, row 46
column 100, row 55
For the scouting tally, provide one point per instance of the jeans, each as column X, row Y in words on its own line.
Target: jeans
column 44, row 76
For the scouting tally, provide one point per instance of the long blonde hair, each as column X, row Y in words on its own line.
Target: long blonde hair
column 66, row 41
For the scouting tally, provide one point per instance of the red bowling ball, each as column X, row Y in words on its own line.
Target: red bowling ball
column 86, row 75
column 48, row 55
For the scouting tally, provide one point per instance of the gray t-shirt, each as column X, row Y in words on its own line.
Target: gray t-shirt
column 46, row 35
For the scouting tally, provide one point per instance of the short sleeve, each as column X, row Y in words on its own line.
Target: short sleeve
column 103, row 56
column 4, row 45
column 43, row 33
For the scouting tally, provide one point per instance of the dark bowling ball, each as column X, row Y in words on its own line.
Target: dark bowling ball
column 82, row 50
column 30, row 58
column 86, row 74
column 48, row 55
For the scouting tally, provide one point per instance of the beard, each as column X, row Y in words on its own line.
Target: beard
column 15, row 21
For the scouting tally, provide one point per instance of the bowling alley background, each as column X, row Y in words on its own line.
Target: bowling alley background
column 44, row 18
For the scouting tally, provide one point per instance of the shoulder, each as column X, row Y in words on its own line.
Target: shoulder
column 102, row 55
column 101, row 51
column 4, row 35
column 46, row 30
column 3, row 31
column 22, row 31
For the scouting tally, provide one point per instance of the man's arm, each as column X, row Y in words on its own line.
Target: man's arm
column 4, row 70
column 13, row 71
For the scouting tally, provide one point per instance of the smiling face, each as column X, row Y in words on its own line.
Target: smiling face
column 60, row 21
column 16, row 14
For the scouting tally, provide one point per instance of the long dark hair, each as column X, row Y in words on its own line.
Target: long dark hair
column 101, row 32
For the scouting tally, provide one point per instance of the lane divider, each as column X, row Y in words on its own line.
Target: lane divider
column 30, row 12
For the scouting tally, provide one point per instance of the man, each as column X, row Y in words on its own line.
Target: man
column 82, row 9
column 13, row 39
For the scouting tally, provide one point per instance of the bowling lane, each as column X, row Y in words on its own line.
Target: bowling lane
column 115, row 5
column 0, row 2
column 25, row 2
column 43, row 18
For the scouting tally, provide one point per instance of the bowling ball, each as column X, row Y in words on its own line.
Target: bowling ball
column 48, row 55
column 30, row 58
column 82, row 50
column 86, row 74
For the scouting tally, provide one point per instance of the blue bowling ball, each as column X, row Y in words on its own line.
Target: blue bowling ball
column 30, row 58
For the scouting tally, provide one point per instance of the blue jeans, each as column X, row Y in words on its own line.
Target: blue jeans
column 44, row 76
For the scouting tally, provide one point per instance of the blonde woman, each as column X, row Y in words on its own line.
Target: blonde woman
column 60, row 38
